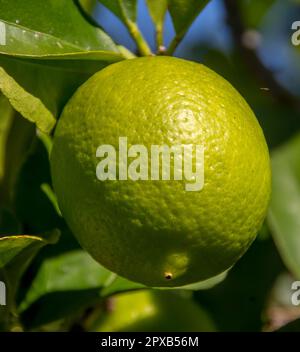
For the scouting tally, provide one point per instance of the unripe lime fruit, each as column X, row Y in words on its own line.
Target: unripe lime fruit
column 156, row 231
column 155, row 311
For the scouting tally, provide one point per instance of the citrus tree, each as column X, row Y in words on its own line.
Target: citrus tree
column 90, row 241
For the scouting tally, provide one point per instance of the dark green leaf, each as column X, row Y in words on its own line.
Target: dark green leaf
column 124, row 9
column 237, row 303
column 157, row 10
column 283, row 216
column 14, row 247
column 72, row 277
column 31, row 31
column 6, row 117
column 31, row 203
column 16, row 252
column 16, row 144
column 119, row 284
column 26, row 104
column 49, row 54
column 184, row 12
column 88, row 5
column 52, row 82
column 255, row 10
column 9, row 224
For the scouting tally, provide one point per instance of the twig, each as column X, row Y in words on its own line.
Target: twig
column 141, row 43
column 262, row 73
column 160, row 41
column 174, row 44
column 133, row 29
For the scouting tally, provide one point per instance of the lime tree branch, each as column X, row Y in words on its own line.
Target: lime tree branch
column 252, row 60
column 137, row 36
column 175, row 43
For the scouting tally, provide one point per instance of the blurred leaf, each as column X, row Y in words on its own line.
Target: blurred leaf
column 126, row 53
column 30, row 31
column 27, row 105
column 119, row 284
column 14, row 248
column 32, row 205
column 70, row 281
column 237, row 303
column 233, row 68
column 254, row 11
column 50, row 53
column 124, row 9
column 16, row 145
column 157, row 10
column 9, row 224
column 71, row 271
column 6, row 116
column 46, row 188
column 151, row 310
column 16, row 252
column 88, row 5
column 184, row 12
column 284, row 212
column 52, row 82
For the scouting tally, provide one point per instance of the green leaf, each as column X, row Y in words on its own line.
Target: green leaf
column 237, row 303
column 207, row 284
column 12, row 248
column 16, row 144
column 184, row 12
column 26, row 104
column 283, row 217
column 157, row 10
column 254, row 11
column 16, row 252
column 6, row 117
column 49, row 54
column 9, row 224
column 69, row 282
column 30, row 31
column 31, row 203
column 88, row 5
column 118, row 284
column 124, row 9
column 52, row 82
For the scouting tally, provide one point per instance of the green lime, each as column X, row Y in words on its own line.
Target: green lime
column 156, row 311
column 152, row 227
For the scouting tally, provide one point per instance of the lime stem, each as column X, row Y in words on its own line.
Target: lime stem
column 174, row 44
column 141, row 43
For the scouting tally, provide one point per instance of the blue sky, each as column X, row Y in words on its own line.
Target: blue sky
column 210, row 29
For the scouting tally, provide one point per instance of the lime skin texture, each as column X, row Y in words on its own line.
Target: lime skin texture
column 156, row 232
